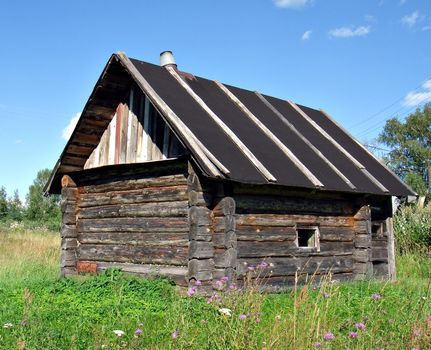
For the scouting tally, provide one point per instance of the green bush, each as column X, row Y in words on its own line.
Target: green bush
column 412, row 228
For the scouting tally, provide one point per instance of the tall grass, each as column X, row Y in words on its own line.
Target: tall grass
column 412, row 227
column 82, row 313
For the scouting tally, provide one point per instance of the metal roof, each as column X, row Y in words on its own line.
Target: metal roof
column 233, row 133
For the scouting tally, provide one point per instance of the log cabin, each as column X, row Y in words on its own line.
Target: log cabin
column 171, row 174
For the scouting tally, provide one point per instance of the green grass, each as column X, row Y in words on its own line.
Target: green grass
column 50, row 313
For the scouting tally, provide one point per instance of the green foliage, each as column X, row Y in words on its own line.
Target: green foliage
column 3, row 203
column 410, row 143
column 42, row 210
column 15, row 207
column 82, row 313
column 412, row 228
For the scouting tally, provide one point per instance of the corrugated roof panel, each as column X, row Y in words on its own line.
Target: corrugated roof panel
column 393, row 183
column 355, row 175
column 251, row 135
column 304, row 153
column 199, row 123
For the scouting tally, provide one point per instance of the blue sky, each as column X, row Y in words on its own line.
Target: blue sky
column 362, row 61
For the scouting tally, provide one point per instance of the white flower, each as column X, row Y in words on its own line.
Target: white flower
column 119, row 333
column 8, row 325
column 225, row 311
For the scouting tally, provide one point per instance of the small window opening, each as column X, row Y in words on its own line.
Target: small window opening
column 308, row 237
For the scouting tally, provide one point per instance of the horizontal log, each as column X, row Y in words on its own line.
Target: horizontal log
column 362, row 241
column 292, row 220
column 161, row 209
column 200, row 269
column 361, row 255
column 168, row 255
column 251, row 249
column 69, row 243
column 225, row 257
column 292, row 265
column 199, row 216
column 225, row 240
column 270, row 204
column 69, row 193
column 201, row 250
column 136, row 184
column 200, row 233
column 343, row 234
column 175, row 273
column 265, row 233
column 379, row 254
column 68, row 258
column 69, row 218
column 146, row 224
column 135, row 238
column 150, row 194
column 68, row 231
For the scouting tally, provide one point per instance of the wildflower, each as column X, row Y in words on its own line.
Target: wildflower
column 138, row 331
column 119, row 333
column 263, row 265
column 219, row 284
column 271, row 264
column 329, row 336
column 140, row 324
column 325, row 295
column 175, row 334
column 233, row 286
column 225, row 311
column 278, row 317
column 24, row 323
column 242, row 317
column 257, row 320
column 224, row 279
column 353, row 334
column 317, row 344
column 8, row 325
column 204, row 321
column 416, row 333
column 428, row 318
column 198, row 283
column 250, row 268
column 191, row 291
column 375, row 296
column 360, row 326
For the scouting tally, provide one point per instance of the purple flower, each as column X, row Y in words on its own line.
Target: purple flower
column 317, row 344
column 416, row 333
column 257, row 320
column 242, row 317
column 219, row 284
column 325, row 295
column 191, row 291
column 138, row 331
column 233, row 286
column 375, row 296
column 329, row 336
column 224, row 279
column 428, row 318
column 198, row 283
column 360, row 326
column 263, row 265
column 174, row 335
column 353, row 334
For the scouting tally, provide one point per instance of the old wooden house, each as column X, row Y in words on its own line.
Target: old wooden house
column 172, row 174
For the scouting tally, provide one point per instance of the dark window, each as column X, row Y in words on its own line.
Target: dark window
column 308, row 237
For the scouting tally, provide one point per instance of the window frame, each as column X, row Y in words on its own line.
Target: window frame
column 315, row 228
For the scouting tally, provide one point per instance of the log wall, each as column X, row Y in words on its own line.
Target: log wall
column 135, row 219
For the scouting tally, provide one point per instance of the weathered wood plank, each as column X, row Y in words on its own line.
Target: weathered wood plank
column 175, row 273
column 135, row 238
column 149, row 194
column 292, row 220
column 268, row 204
column 168, row 255
column 145, row 224
column 292, row 265
column 175, row 209
column 265, row 233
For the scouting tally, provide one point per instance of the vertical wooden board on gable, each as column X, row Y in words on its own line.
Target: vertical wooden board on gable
column 112, row 132
column 147, row 130
column 132, row 130
column 166, row 139
column 139, row 130
column 123, row 134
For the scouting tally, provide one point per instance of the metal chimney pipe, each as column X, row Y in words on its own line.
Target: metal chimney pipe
column 167, row 59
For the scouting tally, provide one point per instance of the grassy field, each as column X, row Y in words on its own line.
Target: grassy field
column 40, row 311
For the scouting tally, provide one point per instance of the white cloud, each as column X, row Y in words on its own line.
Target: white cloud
column 306, row 35
column 416, row 98
column 412, row 19
column 291, row 3
column 349, row 32
column 67, row 131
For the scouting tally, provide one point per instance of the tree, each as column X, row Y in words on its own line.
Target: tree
column 15, row 208
column 39, row 207
column 3, row 203
column 410, row 143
